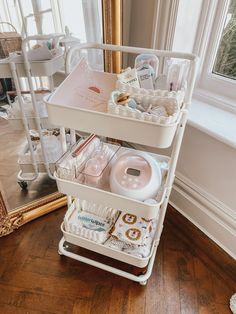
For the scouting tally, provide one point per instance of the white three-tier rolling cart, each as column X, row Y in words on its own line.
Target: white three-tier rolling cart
column 65, row 110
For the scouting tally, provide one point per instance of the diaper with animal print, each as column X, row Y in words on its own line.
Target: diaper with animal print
column 131, row 229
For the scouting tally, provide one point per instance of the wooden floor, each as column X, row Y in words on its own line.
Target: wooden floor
column 191, row 275
column 11, row 143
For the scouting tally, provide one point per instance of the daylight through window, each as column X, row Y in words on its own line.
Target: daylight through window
column 225, row 62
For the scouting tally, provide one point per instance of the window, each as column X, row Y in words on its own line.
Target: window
column 225, row 60
column 72, row 18
column 217, row 79
column 208, row 29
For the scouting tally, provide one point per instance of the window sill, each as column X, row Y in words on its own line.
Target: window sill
column 213, row 121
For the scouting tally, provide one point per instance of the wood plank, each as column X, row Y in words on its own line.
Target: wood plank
column 186, row 275
column 218, row 284
column 209, row 252
column 48, row 284
column 204, row 286
column 9, row 244
column 101, row 300
column 59, row 267
column 10, row 309
column 3, row 265
column 170, row 273
column 156, row 283
column 82, row 306
column 32, row 301
column 136, row 299
column 23, row 248
column 119, row 297
column 47, row 232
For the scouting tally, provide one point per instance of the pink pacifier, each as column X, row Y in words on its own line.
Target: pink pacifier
column 93, row 171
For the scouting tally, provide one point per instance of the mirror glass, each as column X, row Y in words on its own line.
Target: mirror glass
column 15, row 162
column 22, row 180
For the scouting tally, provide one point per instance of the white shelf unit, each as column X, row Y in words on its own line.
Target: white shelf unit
column 17, row 67
column 63, row 112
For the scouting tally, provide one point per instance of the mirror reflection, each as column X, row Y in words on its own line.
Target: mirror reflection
column 30, row 146
column 16, row 167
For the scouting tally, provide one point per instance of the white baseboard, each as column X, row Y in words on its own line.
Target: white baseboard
column 211, row 216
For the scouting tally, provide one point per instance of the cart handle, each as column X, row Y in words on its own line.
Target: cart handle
column 40, row 37
column 161, row 53
column 136, row 50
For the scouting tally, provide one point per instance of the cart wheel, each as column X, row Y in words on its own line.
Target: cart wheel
column 23, row 185
column 59, row 252
column 143, row 283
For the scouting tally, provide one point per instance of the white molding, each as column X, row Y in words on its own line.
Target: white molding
column 204, row 29
column 210, row 215
column 164, row 22
column 217, row 207
column 216, row 31
column 155, row 24
column 172, row 24
column 126, row 23
column 210, row 98
column 221, row 138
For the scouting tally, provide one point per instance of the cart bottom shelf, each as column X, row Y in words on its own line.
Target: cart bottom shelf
column 142, row 279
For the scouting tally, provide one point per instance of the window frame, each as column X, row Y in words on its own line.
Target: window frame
column 215, row 89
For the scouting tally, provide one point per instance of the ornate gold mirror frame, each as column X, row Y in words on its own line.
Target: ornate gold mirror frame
column 112, row 33
column 12, row 220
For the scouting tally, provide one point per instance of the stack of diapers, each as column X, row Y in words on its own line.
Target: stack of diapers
column 117, row 230
column 91, row 221
column 133, row 235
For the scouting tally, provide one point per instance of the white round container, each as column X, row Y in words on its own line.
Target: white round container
column 135, row 175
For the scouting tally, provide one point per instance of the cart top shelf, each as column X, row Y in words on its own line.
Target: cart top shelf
column 81, row 102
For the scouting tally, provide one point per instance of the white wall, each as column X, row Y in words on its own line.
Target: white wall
column 205, row 186
column 137, row 23
column 141, row 20
column 210, row 164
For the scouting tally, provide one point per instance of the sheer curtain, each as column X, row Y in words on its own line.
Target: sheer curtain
column 82, row 17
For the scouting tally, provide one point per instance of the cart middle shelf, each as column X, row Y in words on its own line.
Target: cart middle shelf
column 73, row 186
